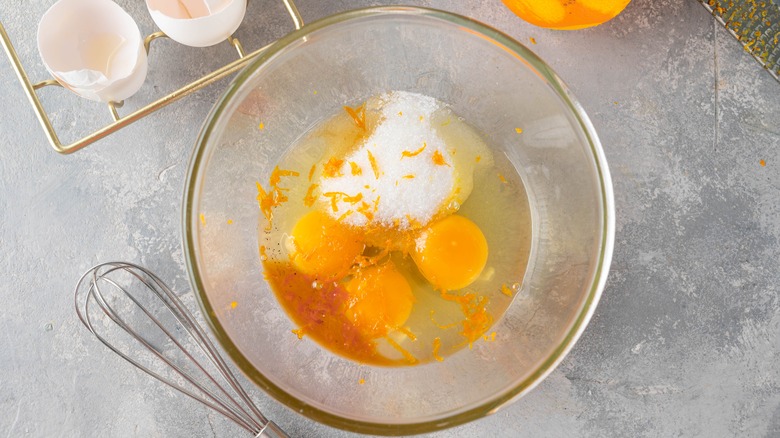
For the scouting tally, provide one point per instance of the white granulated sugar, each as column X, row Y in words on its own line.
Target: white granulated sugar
column 410, row 187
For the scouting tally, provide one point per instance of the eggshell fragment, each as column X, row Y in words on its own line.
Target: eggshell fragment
column 197, row 23
column 93, row 48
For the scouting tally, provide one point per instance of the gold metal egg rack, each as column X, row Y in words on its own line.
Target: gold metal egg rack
column 120, row 122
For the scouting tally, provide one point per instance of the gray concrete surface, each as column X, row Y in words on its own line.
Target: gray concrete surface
column 685, row 342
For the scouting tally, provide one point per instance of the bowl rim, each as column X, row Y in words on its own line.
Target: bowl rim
column 500, row 400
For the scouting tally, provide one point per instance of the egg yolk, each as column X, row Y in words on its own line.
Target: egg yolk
column 379, row 299
column 451, row 253
column 324, row 247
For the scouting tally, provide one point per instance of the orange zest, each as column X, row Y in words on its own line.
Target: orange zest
column 311, row 172
column 441, row 326
column 267, row 203
column 358, row 115
column 438, row 159
column 365, row 210
column 309, row 199
column 345, row 215
column 374, row 166
column 274, row 196
column 335, row 197
column 436, row 347
column 408, row 356
column 477, row 320
column 367, row 261
column 506, row 290
column 298, row 332
column 414, row 153
column 332, row 168
column 334, row 200
column 277, row 174
column 407, row 332
column 413, row 223
column 356, row 170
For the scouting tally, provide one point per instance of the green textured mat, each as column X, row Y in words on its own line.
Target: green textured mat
column 755, row 24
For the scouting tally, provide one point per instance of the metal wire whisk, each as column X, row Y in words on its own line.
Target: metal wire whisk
column 148, row 307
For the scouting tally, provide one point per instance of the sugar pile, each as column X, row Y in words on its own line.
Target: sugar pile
column 401, row 175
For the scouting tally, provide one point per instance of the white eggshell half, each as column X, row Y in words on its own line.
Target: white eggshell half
column 94, row 48
column 197, row 23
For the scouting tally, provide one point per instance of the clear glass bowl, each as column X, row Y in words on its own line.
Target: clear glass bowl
column 496, row 85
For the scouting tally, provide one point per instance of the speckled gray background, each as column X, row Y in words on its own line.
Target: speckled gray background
column 686, row 339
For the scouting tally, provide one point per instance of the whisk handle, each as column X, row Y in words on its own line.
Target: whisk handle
column 271, row 430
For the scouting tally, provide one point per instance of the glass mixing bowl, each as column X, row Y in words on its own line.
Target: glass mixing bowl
column 496, row 85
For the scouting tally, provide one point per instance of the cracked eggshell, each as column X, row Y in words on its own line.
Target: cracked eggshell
column 197, row 23
column 93, row 48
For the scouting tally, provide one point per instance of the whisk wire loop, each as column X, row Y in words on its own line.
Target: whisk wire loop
column 92, row 290
column 221, row 405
